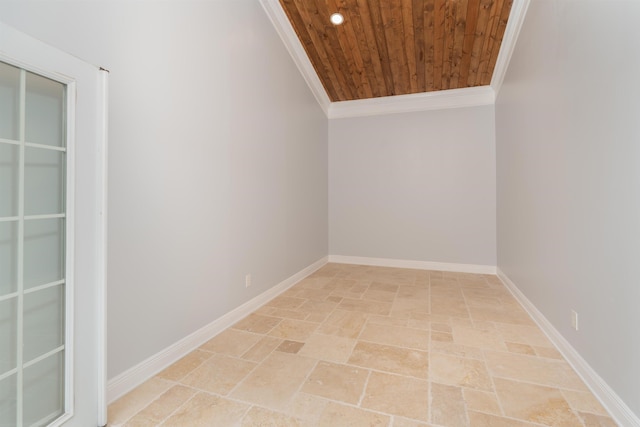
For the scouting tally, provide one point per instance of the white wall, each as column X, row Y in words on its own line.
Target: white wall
column 568, row 159
column 414, row 186
column 218, row 159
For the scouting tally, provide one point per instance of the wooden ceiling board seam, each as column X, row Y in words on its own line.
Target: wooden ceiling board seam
column 438, row 42
column 395, row 52
column 410, row 44
column 476, row 53
column 449, row 39
column 429, row 37
column 461, row 23
column 417, row 10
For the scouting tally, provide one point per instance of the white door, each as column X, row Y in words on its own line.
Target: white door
column 52, row 236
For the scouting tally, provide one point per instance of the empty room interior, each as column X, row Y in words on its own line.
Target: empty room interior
column 427, row 215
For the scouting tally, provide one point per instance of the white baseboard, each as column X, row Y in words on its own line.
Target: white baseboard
column 418, row 265
column 133, row 377
column 609, row 399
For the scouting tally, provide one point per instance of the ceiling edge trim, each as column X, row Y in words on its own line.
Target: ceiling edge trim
column 437, row 100
column 511, row 33
column 288, row 36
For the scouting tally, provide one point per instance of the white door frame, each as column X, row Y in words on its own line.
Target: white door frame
column 28, row 53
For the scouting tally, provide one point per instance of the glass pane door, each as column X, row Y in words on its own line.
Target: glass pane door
column 33, row 297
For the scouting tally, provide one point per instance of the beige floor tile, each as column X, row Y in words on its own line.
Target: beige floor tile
column 384, row 287
column 219, row 375
column 451, row 306
column 140, row 421
column 290, row 346
column 453, row 370
column 524, row 334
column 337, row 382
column 131, row 403
column 592, row 420
column 266, row 418
column 396, row 335
column 262, row 349
column 343, row 323
column 306, row 407
column 548, row 352
column 441, row 336
column 365, row 306
column 296, row 330
column 383, row 296
column 397, row 395
column 290, row 303
column 168, row 402
column 391, row 359
column 231, row 342
column 313, row 294
column 533, row 403
column 318, row 307
column 388, row 320
column 479, row 419
column 257, row 323
column 328, row 347
column 275, row 380
column 340, row 415
column 520, row 348
column 184, row 366
column 404, row 422
column 408, row 308
column 284, row 313
column 583, row 401
column 549, row 372
column 481, row 401
column 448, row 406
column 479, row 338
column 205, row 410
column 413, row 292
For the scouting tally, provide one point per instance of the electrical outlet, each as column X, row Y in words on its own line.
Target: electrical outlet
column 247, row 280
column 574, row 320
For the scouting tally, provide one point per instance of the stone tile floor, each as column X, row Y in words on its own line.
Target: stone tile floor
column 355, row 345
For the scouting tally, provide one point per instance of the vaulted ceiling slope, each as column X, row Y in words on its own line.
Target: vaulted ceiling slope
column 399, row 47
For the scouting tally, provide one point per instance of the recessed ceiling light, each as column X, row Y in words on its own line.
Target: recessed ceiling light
column 336, row 19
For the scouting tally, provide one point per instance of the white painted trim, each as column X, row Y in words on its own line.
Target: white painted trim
column 101, row 250
column 418, row 265
column 511, row 33
column 605, row 394
column 288, row 36
column 437, row 100
column 138, row 374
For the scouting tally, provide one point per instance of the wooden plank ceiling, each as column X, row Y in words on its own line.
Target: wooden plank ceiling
column 397, row 47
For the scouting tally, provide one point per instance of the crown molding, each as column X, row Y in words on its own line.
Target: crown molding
column 290, row 39
column 453, row 98
column 511, row 33
column 437, row 100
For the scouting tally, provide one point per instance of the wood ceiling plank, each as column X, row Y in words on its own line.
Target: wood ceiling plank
column 419, row 43
column 391, row 13
column 449, row 31
column 366, row 46
column 458, row 41
column 429, row 47
column 481, row 28
column 350, row 52
column 502, row 26
column 377, row 27
column 473, row 7
column 410, row 44
column 489, row 38
column 317, row 56
column 439, row 12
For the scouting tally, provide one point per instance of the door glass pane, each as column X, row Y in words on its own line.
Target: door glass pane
column 8, row 335
column 43, row 321
column 45, row 111
column 43, row 396
column 8, row 257
column 8, row 401
column 9, row 101
column 43, row 251
column 43, row 181
column 9, row 169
